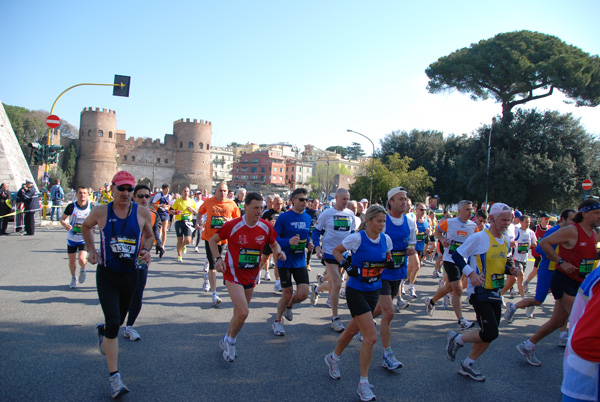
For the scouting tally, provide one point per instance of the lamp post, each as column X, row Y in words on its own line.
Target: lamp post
column 372, row 163
column 487, row 181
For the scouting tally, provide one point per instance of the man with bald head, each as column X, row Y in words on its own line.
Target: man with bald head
column 335, row 223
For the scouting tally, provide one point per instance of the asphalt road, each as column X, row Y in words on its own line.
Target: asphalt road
column 49, row 347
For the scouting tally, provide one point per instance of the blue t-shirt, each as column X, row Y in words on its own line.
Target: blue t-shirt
column 288, row 225
column 400, row 235
column 421, row 234
column 545, row 262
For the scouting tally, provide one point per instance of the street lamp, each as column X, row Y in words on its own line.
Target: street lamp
column 372, row 163
column 487, row 181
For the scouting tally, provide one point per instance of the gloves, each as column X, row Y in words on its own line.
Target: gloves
column 389, row 264
column 351, row 270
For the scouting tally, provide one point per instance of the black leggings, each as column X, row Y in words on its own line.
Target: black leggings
column 136, row 303
column 115, row 291
column 209, row 256
column 488, row 316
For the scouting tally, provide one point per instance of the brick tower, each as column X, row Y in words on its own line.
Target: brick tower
column 192, row 156
column 97, row 164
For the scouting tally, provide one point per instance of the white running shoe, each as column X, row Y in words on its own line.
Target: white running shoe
column 429, row 307
column 206, row 265
column 131, row 333
column 402, row 304
column 412, row 293
column 529, row 311
column 81, row 276
column 206, row 284
column 509, row 314
column 390, row 362
column 364, row 392
column 320, row 279
column 562, row 342
column 73, row 283
column 343, row 293
column 359, row 336
column 288, row 314
column 314, row 295
column 328, row 302
column 117, row 388
column 277, row 287
column 216, row 299
column 447, row 301
column 441, row 283
column 337, row 325
column 526, row 287
column 464, row 324
column 267, row 276
column 196, row 249
column 278, row 328
column 228, row 350
column 334, row 366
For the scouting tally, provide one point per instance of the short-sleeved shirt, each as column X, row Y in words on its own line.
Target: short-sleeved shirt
column 524, row 238
column 182, row 205
column 244, row 248
column 337, row 226
column 217, row 213
column 288, row 225
column 457, row 232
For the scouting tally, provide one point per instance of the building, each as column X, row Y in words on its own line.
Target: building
column 183, row 159
column 222, row 163
column 259, row 169
column 297, row 173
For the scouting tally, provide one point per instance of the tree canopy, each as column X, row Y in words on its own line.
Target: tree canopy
column 517, row 67
column 354, row 151
column 338, row 149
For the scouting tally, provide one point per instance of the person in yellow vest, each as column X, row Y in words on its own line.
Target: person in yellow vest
column 489, row 264
column 183, row 208
column 106, row 195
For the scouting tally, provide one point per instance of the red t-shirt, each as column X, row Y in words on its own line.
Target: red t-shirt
column 586, row 338
column 245, row 243
column 539, row 233
column 582, row 256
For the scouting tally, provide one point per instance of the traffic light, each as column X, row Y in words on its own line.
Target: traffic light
column 53, row 152
column 121, row 87
column 37, row 153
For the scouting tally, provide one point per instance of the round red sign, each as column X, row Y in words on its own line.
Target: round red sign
column 52, row 121
column 587, row 184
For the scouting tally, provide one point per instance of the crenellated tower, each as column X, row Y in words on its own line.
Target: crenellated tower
column 192, row 155
column 96, row 164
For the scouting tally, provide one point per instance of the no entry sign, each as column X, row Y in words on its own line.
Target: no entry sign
column 53, row 121
column 587, row 184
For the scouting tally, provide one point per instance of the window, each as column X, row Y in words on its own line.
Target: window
column 166, row 161
column 253, row 177
column 299, row 168
column 253, row 169
column 245, row 159
column 157, row 160
column 292, row 168
column 180, row 144
column 200, row 145
column 124, row 157
column 281, row 170
column 207, row 146
column 110, row 134
column 191, row 145
column 254, row 160
column 100, row 133
column 274, row 169
column 262, row 169
column 133, row 158
column 287, row 168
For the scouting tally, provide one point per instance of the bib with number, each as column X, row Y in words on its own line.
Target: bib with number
column 399, row 258
column 217, row 222
column 454, row 245
column 371, row 271
column 585, row 267
column 523, row 248
column 341, row 223
column 497, row 281
column 298, row 248
column 420, row 236
column 76, row 229
column 248, row 258
column 123, row 245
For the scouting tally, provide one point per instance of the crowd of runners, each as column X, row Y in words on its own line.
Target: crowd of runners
column 372, row 257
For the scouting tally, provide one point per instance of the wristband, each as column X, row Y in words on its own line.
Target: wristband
column 144, row 248
column 218, row 258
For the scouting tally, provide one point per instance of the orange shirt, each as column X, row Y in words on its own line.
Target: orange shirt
column 217, row 213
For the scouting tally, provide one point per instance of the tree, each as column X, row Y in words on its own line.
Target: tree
column 69, row 162
column 338, row 149
column 322, row 178
column 517, row 67
column 354, row 151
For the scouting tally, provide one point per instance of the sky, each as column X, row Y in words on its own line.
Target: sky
column 301, row 72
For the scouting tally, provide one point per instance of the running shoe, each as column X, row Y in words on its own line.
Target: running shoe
column 277, row 287
column 73, row 283
column 196, row 249
column 272, row 265
column 412, row 293
column 131, row 333
column 526, row 287
column 471, row 371
column 465, row 324
column 334, row 366
column 100, row 332
column 278, row 328
column 441, row 283
column 288, row 314
column 503, row 301
column 364, row 392
column 328, row 302
column 228, row 350
column 180, row 259
column 81, row 276
column 161, row 251
column 447, row 301
column 206, row 265
column 320, row 279
column 528, row 354
column 436, row 274
column 343, row 293
column 562, row 342
column 390, row 362
column 514, row 293
column 216, row 299
column 509, row 314
column 117, row 388
column 267, row 276
column 337, row 325
column 402, row 304
column 206, row 284
column 429, row 307
column 359, row 336
column 452, row 346
column 314, row 295
column 184, row 249
column 529, row 311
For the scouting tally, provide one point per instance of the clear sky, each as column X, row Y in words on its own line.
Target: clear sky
column 269, row 71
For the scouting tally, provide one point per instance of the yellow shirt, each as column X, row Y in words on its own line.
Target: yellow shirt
column 182, row 205
column 492, row 263
column 105, row 197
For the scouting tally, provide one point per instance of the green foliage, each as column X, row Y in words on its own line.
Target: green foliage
column 394, row 172
column 517, row 67
column 354, row 151
column 338, row 149
column 56, row 173
column 322, row 178
column 69, row 162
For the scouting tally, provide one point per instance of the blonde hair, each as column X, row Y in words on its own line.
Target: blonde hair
column 371, row 213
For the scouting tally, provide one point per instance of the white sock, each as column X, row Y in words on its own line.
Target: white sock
column 468, row 361
column 277, row 282
column 459, row 340
column 529, row 345
column 364, row 380
column 563, row 334
column 411, row 286
column 231, row 340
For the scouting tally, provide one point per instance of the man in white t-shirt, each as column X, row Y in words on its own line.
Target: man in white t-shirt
column 525, row 240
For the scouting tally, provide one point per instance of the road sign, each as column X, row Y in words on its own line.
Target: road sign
column 52, row 121
column 587, row 184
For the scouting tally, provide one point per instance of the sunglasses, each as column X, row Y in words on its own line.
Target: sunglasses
column 123, row 188
column 142, row 195
column 421, row 209
column 302, row 199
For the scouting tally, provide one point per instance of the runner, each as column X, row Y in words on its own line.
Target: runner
column 183, row 209
column 247, row 236
column 371, row 249
column 141, row 196
column 125, row 238
column 218, row 209
column 487, row 252
column 106, row 195
column 239, row 199
column 271, row 216
column 197, row 221
column 162, row 201
column 293, row 236
column 76, row 212
column 423, row 232
column 457, row 231
column 540, row 230
column 401, row 230
column 337, row 223
column 313, row 211
column 574, row 261
column 545, row 270
column 525, row 239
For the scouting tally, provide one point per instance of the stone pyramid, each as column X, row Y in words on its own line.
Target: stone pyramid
column 13, row 168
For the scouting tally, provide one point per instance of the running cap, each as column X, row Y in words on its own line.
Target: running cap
column 499, row 208
column 123, row 177
column 394, row 191
column 29, row 181
column 364, row 200
column 106, row 184
column 544, row 215
column 518, row 214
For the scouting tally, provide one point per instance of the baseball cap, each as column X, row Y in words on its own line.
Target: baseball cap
column 29, row 181
column 106, row 184
column 396, row 190
column 123, row 177
column 364, row 200
column 544, row 215
column 518, row 214
column 499, row 208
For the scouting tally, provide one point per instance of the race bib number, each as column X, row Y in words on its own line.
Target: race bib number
column 76, row 229
column 371, row 271
column 123, row 246
column 298, row 248
column 399, row 258
column 523, row 248
column 585, row 267
column 341, row 223
column 217, row 222
column 186, row 216
column 248, row 258
column 420, row 237
column 454, row 245
column 497, row 281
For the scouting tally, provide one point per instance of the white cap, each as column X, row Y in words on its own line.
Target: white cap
column 499, row 208
column 364, row 200
column 396, row 190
